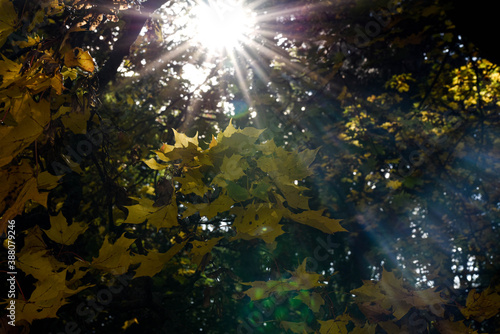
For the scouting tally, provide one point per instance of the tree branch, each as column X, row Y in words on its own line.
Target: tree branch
column 134, row 21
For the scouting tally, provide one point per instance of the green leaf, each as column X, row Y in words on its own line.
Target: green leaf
column 237, row 192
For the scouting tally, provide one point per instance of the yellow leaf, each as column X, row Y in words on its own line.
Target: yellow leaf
column 153, row 164
column 202, row 248
column 221, row 204
column 76, row 120
column 63, row 233
column 38, row 263
column 79, row 58
column 481, row 305
column 19, row 186
column 159, row 217
column 317, row 220
column 257, row 221
column 9, row 70
column 300, row 280
column 192, row 182
column 182, row 141
column 303, row 280
column 154, row 262
column 49, row 295
column 333, row 327
column 231, row 169
column 394, row 184
column 264, row 289
column 114, row 258
column 8, row 20
column 31, row 118
column 312, row 299
column 213, row 143
column 129, row 323
column 295, row 327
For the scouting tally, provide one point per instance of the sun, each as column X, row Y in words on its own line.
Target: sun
column 222, row 25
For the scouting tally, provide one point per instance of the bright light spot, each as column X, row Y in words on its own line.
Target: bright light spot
column 196, row 75
column 222, row 25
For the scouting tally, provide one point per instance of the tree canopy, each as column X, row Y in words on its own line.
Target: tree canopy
column 309, row 167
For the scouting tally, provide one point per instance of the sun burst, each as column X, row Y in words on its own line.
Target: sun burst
column 222, row 25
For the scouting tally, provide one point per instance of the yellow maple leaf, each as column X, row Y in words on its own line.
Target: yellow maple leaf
column 221, row 204
column 257, row 221
column 63, row 233
column 317, row 220
column 9, row 70
column 301, row 280
column 31, row 118
column 114, row 258
column 202, row 248
column 333, row 327
column 153, row 262
column 8, row 20
column 295, row 327
column 153, row 164
column 263, row 289
column 38, row 263
column 304, row 280
column 19, row 186
column 481, row 305
column 159, row 217
column 394, row 184
column 231, row 168
column 49, row 295
column 312, row 299
column 79, row 58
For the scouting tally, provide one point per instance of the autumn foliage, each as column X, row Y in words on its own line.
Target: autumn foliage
column 362, row 198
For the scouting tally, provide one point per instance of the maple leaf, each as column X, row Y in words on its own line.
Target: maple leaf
column 394, row 184
column 79, row 58
column 221, row 204
column 317, row 220
column 295, row 327
column 231, row 169
column 9, row 70
column 192, row 182
column 235, row 191
column 153, row 262
column 19, row 186
column 300, row 280
column 33, row 241
column 114, row 258
column 391, row 294
column 49, row 295
column 202, row 248
column 263, row 289
column 77, row 121
column 159, row 217
column 446, row 326
column 153, row 164
column 257, row 221
column 304, row 280
column 8, row 20
column 38, row 263
column 240, row 140
column 312, row 299
column 31, row 118
column 63, row 233
column 481, row 305
column 333, row 327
